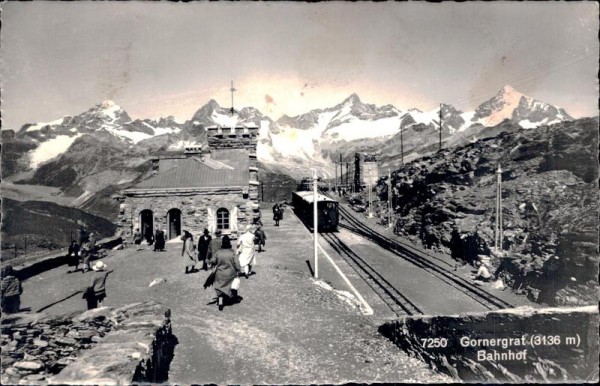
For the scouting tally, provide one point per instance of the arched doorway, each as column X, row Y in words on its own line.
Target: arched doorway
column 174, row 223
column 147, row 223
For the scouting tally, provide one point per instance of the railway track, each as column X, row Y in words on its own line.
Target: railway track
column 436, row 268
column 391, row 296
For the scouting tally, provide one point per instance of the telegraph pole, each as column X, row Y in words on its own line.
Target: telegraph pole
column 315, row 223
column 370, row 211
column 440, row 126
column 401, row 147
column 347, row 167
column 232, row 89
column 498, row 230
column 336, row 180
column 390, row 197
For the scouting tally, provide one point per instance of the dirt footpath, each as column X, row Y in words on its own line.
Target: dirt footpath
column 287, row 329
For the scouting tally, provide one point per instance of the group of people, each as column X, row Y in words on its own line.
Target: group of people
column 82, row 252
column 158, row 239
column 228, row 265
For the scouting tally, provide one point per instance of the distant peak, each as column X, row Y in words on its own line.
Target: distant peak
column 507, row 90
column 108, row 104
column 353, row 98
column 213, row 103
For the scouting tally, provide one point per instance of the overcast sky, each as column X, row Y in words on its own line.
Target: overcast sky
column 160, row 59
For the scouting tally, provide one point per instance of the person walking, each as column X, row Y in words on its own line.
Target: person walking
column 226, row 282
column 87, row 251
column 11, row 291
column 159, row 240
column 73, row 257
column 95, row 293
column 213, row 247
column 137, row 239
column 203, row 245
column 260, row 238
column 188, row 252
column 276, row 214
column 245, row 249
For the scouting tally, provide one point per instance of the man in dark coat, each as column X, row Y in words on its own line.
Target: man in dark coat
column 159, row 240
column 213, row 247
column 260, row 238
column 226, row 282
column 96, row 291
column 203, row 245
column 73, row 256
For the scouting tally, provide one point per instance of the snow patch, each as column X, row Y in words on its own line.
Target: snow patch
column 39, row 126
column 50, row 149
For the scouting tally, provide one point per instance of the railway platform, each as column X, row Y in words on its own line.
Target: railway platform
column 287, row 329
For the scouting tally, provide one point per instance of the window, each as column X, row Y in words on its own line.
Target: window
column 222, row 218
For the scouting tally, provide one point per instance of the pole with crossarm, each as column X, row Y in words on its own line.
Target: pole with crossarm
column 315, row 223
column 232, row 89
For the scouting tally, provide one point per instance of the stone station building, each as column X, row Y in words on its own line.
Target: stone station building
column 212, row 188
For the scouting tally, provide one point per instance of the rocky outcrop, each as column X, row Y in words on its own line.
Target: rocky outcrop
column 550, row 206
column 519, row 345
column 133, row 343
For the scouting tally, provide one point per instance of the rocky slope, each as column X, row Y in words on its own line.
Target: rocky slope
column 550, row 206
column 95, row 154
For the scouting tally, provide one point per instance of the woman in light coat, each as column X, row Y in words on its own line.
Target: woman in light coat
column 245, row 248
column 188, row 252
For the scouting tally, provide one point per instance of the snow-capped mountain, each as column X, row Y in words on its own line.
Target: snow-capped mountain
column 293, row 144
column 105, row 119
column 524, row 110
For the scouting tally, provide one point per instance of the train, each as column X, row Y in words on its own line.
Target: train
column 327, row 211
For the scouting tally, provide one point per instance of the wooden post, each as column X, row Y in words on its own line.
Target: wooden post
column 440, row 126
column 401, row 147
column 390, row 197
column 315, row 223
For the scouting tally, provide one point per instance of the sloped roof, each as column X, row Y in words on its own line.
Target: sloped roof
column 194, row 173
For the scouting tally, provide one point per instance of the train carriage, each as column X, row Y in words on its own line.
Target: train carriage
column 327, row 210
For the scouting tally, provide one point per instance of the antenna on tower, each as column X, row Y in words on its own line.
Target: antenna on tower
column 232, row 89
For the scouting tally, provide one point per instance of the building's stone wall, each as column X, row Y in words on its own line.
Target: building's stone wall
column 194, row 204
column 129, row 344
column 193, row 207
column 549, row 345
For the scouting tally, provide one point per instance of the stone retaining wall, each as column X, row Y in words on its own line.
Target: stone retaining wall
column 516, row 345
column 133, row 343
column 30, row 269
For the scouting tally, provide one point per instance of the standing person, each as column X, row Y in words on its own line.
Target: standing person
column 73, row 256
column 148, row 236
column 226, row 282
column 260, row 238
column 87, row 251
column 83, row 236
column 11, row 291
column 159, row 240
column 276, row 214
column 213, row 247
column 95, row 293
column 188, row 252
column 137, row 238
column 281, row 210
column 245, row 249
column 203, row 244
